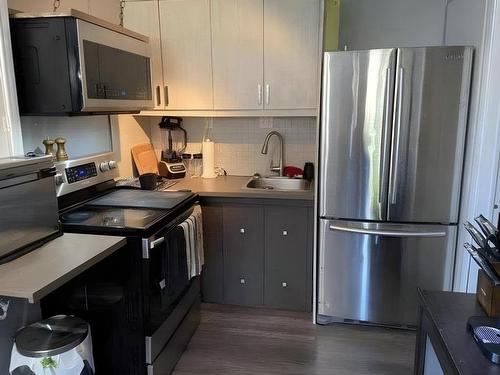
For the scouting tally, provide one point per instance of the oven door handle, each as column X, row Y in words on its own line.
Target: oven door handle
column 150, row 245
column 156, row 242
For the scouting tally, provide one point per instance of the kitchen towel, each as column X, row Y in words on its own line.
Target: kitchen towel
column 193, row 233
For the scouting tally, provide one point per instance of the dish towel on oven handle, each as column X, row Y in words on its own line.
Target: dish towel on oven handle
column 193, row 233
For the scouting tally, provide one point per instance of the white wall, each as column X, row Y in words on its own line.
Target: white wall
column 483, row 140
column 238, row 141
column 10, row 128
column 368, row 24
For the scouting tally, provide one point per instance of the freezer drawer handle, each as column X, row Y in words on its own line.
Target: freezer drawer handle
column 388, row 232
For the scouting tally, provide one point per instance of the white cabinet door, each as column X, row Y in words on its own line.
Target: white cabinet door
column 237, row 53
column 186, row 51
column 291, row 53
column 143, row 17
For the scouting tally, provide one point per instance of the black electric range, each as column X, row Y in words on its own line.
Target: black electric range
column 140, row 303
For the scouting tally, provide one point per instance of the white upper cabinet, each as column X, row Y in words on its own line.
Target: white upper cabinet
column 186, row 51
column 291, row 53
column 237, row 54
column 143, row 17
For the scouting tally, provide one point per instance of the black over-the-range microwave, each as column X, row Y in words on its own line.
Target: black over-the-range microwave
column 77, row 64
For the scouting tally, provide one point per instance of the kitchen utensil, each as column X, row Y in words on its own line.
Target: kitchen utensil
column 483, row 263
column 61, row 153
column 489, row 230
column 145, row 159
column 148, row 181
column 171, row 165
column 477, row 236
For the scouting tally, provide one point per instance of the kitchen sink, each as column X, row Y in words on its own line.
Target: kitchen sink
column 278, row 183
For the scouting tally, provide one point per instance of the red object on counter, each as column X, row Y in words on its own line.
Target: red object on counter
column 292, row 171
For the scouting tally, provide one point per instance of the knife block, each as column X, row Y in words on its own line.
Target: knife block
column 487, row 294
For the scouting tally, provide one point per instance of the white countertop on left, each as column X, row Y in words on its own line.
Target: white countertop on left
column 45, row 269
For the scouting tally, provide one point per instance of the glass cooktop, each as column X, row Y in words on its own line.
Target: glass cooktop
column 113, row 217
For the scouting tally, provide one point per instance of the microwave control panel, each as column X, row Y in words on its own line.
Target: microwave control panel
column 81, row 172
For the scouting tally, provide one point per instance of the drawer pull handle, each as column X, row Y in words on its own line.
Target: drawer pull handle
column 242, row 281
column 242, row 230
column 285, row 233
column 284, row 284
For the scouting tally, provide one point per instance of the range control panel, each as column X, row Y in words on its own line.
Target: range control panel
column 81, row 172
column 73, row 175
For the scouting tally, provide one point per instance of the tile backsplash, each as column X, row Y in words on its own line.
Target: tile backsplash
column 238, row 141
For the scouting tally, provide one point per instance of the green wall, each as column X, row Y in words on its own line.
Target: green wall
column 332, row 22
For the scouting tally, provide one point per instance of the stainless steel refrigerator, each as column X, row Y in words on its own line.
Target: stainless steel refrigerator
column 393, row 125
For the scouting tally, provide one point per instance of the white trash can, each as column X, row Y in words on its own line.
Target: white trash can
column 60, row 345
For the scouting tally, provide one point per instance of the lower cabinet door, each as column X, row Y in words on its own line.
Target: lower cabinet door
column 243, row 242
column 213, row 270
column 287, row 258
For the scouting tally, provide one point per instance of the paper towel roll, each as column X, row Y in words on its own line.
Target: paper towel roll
column 208, row 159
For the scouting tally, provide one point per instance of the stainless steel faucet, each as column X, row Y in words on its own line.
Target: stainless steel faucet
column 274, row 168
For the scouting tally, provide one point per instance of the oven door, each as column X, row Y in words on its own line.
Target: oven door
column 165, row 281
column 115, row 69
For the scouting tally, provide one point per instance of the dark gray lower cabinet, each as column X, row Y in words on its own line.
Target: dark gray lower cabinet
column 286, row 258
column 243, row 243
column 258, row 253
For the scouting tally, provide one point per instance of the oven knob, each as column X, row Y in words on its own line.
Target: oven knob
column 112, row 164
column 58, row 178
column 104, row 166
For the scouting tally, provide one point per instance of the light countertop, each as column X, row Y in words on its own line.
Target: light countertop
column 45, row 269
column 234, row 187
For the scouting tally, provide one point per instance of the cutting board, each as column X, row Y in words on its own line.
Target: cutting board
column 145, row 160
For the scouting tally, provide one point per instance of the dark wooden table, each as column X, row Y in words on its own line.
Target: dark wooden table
column 443, row 319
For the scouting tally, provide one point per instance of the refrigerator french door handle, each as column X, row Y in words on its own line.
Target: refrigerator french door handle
column 387, row 232
column 383, row 141
column 399, row 120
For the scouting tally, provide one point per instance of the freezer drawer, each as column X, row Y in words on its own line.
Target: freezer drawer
column 369, row 272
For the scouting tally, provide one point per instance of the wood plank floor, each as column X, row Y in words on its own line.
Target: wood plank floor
column 241, row 340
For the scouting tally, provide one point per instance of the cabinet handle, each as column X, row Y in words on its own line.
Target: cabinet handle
column 284, row 284
column 158, row 96
column 285, row 233
column 259, row 93
column 268, row 93
column 242, row 281
column 167, row 100
column 242, row 230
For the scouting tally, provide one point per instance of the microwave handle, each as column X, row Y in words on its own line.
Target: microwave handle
column 48, row 172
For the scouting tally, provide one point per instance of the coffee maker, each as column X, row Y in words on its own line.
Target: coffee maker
column 174, row 139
